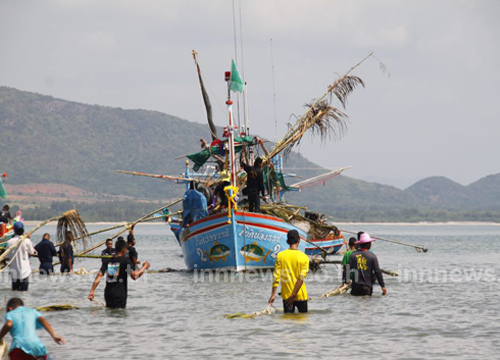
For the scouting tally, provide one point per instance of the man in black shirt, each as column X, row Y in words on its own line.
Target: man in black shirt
column 65, row 253
column 255, row 184
column 117, row 269
column 46, row 250
column 363, row 268
column 5, row 216
column 110, row 250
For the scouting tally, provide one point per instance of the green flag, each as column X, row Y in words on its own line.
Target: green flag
column 236, row 83
column 3, row 193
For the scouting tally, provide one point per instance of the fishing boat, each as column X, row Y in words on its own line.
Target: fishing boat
column 238, row 240
column 5, row 234
column 232, row 237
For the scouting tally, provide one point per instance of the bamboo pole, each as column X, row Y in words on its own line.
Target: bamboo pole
column 295, row 133
column 128, row 226
column 417, row 247
column 29, row 233
column 114, row 227
column 94, row 256
column 339, row 262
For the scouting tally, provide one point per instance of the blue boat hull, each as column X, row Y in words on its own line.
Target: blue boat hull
column 247, row 241
column 331, row 246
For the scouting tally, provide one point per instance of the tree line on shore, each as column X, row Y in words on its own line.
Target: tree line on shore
column 124, row 210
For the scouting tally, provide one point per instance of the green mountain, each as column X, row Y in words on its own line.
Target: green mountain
column 52, row 141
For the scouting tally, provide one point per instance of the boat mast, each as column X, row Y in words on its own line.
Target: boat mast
column 229, row 103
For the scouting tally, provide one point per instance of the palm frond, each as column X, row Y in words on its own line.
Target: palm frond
column 71, row 221
column 322, row 118
column 344, row 87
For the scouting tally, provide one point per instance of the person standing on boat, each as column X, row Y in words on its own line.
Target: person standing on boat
column 255, row 184
column 66, row 253
column 46, row 250
column 363, row 269
column 22, row 323
column 20, row 267
column 118, row 269
column 291, row 269
column 5, row 216
column 194, row 205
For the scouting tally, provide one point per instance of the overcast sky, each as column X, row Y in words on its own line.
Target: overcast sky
column 436, row 115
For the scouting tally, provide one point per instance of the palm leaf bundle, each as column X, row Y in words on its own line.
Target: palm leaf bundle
column 56, row 307
column 70, row 221
column 321, row 117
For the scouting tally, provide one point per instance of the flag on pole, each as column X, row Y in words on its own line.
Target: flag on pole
column 236, row 83
column 3, row 193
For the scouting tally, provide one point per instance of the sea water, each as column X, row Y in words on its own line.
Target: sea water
column 443, row 305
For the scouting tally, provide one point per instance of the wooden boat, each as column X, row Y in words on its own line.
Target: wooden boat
column 243, row 241
column 330, row 245
column 5, row 234
column 239, row 240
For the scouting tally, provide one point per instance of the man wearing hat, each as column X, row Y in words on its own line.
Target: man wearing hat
column 363, row 268
column 20, row 267
column 291, row 269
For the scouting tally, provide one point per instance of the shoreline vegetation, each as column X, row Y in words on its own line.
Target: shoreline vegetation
column 116, row 212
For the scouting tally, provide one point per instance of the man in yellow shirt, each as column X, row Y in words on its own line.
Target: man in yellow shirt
column 291, row 269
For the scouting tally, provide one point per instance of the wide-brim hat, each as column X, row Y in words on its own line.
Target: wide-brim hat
column 364, row 239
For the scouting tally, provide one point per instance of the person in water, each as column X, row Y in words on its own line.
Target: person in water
column 347, row 255
column 22, row 323
column 110, row 250
column 362, row 268
column 291, row 269
column 117, row 270
column 255, row 184
column 132, row 252
column 66, row 253
column 20, row 266
column 46, row 251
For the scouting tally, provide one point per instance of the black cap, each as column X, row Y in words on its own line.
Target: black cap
column 292, row 237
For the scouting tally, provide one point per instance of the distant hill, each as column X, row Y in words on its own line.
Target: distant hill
column 439, row 192
column 52, row 141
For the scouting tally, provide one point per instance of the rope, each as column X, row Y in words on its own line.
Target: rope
column 230, row 200
column 270, row 309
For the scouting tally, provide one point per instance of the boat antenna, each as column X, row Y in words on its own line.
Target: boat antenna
column 245, row 92
column 236, row 61
column 274, row 93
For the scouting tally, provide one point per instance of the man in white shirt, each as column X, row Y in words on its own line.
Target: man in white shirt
column 20, row 267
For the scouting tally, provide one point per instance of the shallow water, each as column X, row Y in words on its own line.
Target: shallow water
column 443, row 305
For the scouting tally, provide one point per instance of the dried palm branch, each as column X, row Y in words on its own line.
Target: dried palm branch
column 342, row 89
column 72, row 222
column 322, row 118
